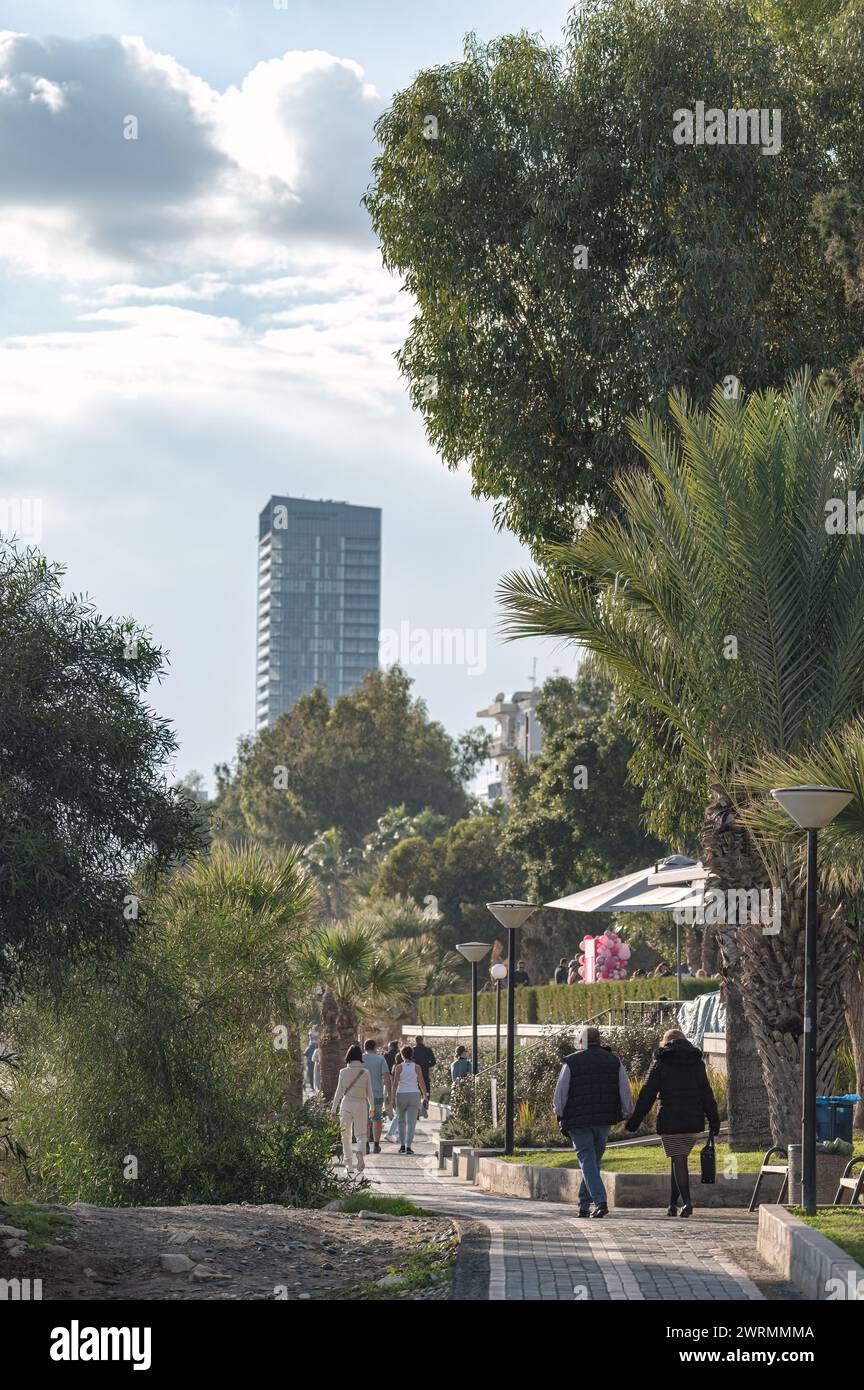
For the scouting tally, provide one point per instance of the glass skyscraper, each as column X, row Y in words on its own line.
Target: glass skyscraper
column 319, row 600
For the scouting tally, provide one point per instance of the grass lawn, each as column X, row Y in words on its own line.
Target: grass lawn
column 843, row 1225
column 42, row 1226
column 393, row 1206
column 640, row 1158
column 648, row 1158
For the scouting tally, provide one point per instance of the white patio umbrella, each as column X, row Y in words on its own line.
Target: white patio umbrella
column 673, row 882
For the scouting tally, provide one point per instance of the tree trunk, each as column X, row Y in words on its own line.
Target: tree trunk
column 726, row 854
column 772, row 983
column 347, row 1027
column 766, row 972
column 295, row 1065
column 709, row 950
column 328, row 1043
column 747, row 1098
column 692, row 950
column 855, row 1024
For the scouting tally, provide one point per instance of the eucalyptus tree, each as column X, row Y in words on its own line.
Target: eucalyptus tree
column 729, row 609
column 571, row 264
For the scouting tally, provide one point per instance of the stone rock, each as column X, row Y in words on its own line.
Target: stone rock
column 304, row 1295
column 53, row 1249
column 16, row 1250
column 14, row 1231
column 377, row 1216
column 85, row 1207
column 176, row 1264
column 336, row 1205
column 181, row 1237
column 387, row 1281
column 202, row 1272
column 90, row 1273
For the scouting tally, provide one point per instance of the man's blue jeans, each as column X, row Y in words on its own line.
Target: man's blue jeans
column 589, row 1141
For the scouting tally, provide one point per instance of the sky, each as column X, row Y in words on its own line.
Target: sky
column 194, row 316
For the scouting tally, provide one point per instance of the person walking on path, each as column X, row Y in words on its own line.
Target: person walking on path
column 409, row 1086
column 352, row 1102
column 391, row 1056
column 593, row 1093
column 679, row 1078
column 377, row 1067
column 461, row 1064
column 309, row 1054
column 424, row 1058
column 562, row 971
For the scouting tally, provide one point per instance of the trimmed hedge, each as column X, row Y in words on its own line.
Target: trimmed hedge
column 556, row 1003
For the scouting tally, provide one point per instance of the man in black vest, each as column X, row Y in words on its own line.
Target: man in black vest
column 425, row 1059
column 593, row 1093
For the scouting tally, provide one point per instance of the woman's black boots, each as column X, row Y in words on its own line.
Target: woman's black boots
column 682, row 1176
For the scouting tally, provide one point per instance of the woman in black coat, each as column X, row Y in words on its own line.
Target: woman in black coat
column 679, row 1078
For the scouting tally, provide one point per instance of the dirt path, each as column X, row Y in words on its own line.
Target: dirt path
column 235, row 1252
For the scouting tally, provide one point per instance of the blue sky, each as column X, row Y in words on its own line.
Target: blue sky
column 196, row 318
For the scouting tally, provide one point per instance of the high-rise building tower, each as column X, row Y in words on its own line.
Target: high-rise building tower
column 319, row 600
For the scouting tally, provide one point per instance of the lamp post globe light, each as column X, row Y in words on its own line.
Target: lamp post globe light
column 812, row 808
column 474, row 951
column 498, row 973
column 512, row 914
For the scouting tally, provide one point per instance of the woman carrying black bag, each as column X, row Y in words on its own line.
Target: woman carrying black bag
column 679, row 1078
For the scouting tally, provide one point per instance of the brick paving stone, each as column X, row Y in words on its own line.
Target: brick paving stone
column 542, row 1251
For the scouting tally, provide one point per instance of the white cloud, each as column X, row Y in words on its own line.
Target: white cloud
column 193, row 365
column 213, row 179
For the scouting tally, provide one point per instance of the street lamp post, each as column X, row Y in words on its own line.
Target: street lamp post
column 498, row 973
column 511, row 914
column 474, row 951
column 812, row 808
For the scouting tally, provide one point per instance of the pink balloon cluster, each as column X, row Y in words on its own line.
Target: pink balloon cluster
column 612, row 955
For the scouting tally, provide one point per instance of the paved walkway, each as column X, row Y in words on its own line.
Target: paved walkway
column 542, row 1250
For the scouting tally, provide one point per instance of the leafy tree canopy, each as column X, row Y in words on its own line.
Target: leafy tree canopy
column 84, row 800
column 575, row 818
column 527, row 357
column 323, row 767
column 454, row 877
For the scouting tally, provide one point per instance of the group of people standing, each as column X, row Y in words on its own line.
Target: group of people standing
column 372, row 1084
column 593, row 1093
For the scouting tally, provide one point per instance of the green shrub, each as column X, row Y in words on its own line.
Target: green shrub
column 157, row 1077
column 537, row 1067
column 557, row 1003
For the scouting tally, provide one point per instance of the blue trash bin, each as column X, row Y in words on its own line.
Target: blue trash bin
column 834, row 1118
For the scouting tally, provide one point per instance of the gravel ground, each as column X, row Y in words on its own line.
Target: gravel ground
column 236, row 1252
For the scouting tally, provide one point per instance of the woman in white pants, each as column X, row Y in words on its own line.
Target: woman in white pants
column 353, row 1101
column 409, row 1088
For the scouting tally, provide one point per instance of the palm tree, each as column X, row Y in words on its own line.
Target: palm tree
column 733, row 625
column 360, row 972
column 399, row 919
column 837, row 762
column 240, row 924
column 334, row 868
